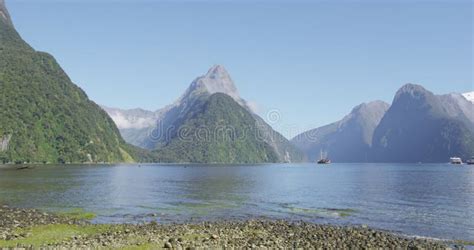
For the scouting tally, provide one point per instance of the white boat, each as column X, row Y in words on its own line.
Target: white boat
column 456, row 160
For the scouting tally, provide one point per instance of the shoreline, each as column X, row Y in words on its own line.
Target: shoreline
column 31, row 229
column 213, row 163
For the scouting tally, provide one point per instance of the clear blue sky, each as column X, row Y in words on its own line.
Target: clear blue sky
column 311, row 60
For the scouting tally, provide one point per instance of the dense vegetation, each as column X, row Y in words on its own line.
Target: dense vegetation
column 216, row 80
column 216, row 130
column 44, row 116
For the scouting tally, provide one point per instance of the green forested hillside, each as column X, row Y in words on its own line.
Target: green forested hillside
column 216, row 130
column 156, row 135
column 44, row 117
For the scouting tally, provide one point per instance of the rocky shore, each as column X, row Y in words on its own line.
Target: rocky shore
column 31, row 229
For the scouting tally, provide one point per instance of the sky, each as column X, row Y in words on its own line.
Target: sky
column 310, row 62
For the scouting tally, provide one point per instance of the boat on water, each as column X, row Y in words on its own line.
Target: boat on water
column 323, row 158
column 324, row 161
column 470, row 161
column 456, row 160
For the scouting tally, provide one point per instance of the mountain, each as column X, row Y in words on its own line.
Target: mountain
column 423, row 127
column 44, row 116
column 172, row 117
column 469, row 96
column 4, row 15
column 9, row 37
column 216, row 130
column 132, row 118
column 134, row 124
column 347, row 140
column 144, row 128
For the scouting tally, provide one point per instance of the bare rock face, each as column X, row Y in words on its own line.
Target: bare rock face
column 137, row 125
column 217, row 80
column 4, row 15
column 4, row 142
column 347, row 140
column 150, row 130
column 423, row 127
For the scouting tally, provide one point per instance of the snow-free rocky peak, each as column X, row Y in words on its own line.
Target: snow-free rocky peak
column 374, row 106
column 4, row 15
column 217, row 80
column 412, row 90
column 347, row 140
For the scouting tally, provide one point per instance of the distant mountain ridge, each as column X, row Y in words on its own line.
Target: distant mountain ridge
column 48, row 119
column 172, row 117
column 347, row 140
column 418, row 126
column 423, row 127
column 131, row 118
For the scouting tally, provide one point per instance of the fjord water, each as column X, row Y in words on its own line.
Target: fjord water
column 433, row 200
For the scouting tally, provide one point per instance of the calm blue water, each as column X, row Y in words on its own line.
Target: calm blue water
column 428, row 200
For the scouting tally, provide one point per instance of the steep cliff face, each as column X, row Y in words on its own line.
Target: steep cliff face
column 216, row 130
column 348, row 140
column 4, row 142
column 4, row 15
column 44, row 116
column 216, row 81
column 423, row 127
